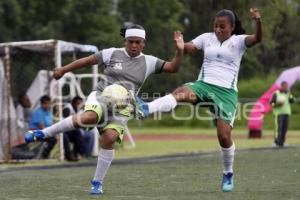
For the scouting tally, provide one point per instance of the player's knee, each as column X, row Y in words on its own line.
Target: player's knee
column 107, row 144
column 108, row 140
column 224, row 139
column 183, row 94
column 179, row 93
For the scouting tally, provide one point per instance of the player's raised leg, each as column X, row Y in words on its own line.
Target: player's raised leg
column 166, row 103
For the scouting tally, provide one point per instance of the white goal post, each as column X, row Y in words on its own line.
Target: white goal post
column 57, row 49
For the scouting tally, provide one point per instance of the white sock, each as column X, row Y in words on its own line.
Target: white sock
column 104, row 160
column 59, row 127
column 228, row 158
column 163, row 104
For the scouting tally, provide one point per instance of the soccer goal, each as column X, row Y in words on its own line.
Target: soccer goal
column 20, row 63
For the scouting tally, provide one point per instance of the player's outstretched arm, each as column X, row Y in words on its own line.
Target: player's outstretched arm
column 77, row 64
column 255, row 38
column 190, row 48
column 174, row 65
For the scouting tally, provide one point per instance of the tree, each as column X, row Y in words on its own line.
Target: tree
column 10, row 19
column 97, row 22
column 92, row 21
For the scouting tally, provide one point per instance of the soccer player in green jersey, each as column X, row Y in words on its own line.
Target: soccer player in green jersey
column 217, row 81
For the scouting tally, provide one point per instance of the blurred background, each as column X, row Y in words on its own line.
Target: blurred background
column 98, row 23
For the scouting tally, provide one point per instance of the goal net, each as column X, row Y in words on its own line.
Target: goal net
column 25, row 67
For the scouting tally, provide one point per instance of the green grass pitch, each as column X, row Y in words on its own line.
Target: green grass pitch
column 260, row 174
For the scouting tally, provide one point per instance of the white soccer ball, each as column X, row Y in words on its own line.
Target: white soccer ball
column 115, row 96
column 280, row 99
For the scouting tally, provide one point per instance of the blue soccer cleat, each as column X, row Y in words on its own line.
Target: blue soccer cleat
column 142, row 109
column 33, row 136
column 227, row 182
column 96, row 188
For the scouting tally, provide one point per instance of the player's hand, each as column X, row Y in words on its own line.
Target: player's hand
column 58, row 73
column 255, row 14
column 178, row 38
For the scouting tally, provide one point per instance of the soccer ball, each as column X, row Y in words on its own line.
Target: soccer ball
column 115, row 96
column 280, row 99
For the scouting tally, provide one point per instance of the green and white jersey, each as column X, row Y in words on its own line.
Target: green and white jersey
column 130, row 72
column 221, row 60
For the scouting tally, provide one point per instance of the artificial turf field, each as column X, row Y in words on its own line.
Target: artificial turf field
column 264, row 173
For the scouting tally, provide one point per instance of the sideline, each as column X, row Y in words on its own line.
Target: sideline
column 160, row 137
column 140, row 160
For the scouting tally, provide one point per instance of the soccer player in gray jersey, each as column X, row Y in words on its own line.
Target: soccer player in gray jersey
column 126, row 66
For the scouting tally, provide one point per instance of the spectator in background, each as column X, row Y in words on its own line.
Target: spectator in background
column 281, row 104
column 89, row 139
column 23, row 115
column 23, row 111
column 42, row 118
column 81, row 140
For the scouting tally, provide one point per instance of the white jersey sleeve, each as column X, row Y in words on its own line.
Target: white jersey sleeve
column 154, row 65
column 199, row 41
column 241, row 41
column 103, row 57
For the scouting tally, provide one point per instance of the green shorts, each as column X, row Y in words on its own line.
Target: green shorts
column 116, row 121
column 221, row 101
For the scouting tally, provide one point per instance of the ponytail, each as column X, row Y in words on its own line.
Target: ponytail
column 238, row 30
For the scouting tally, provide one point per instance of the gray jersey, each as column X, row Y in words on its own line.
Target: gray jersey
column 130, row 72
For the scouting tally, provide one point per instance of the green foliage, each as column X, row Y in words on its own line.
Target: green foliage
column 255, row 86
column 91, row 22
column 98, row 22
column 10, row 19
